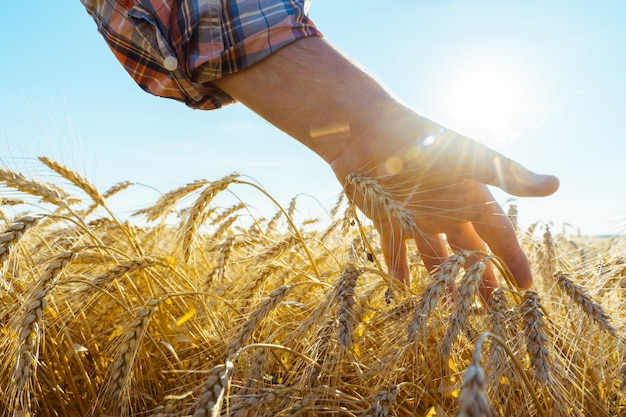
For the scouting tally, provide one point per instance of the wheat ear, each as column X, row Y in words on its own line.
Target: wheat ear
column 382, row 403
column 512, row 214
column 122, row 268
column 76, row 179
column 121, row 371
column 345, row 311
column 107, row 194
column 214, row 390
column 219, row 270
column 430, row 298
column 244, row 405
column 380, row 199
column 472, row 399
column 498, row 316
column 257, row 315
column 464, row 299
column 248, row 292
column 12, row 234
column 549, row 254
column 274, row 251
column 46, row 192
column 580, row 297
column 198, row 213
column 536, row 339
column 167, row 201
column 29, row 325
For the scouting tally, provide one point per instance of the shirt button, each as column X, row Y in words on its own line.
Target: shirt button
column 170, row 63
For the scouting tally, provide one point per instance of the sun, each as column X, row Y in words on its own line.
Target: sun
column 487, row 97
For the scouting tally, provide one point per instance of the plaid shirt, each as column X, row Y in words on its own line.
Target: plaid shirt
column 175, row 48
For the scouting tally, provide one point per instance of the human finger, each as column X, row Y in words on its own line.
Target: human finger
column 495, row 229
column 432, row 249
column 448, row 150
column 393, row 246
column 504, row 244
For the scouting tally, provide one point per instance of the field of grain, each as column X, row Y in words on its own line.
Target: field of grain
column 195, row 308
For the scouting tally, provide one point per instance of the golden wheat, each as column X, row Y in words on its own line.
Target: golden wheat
column 276, row 318
column 580, row 297
column 12, row 234
column 443, row 278
column 76, row 179
column 536, row 338
column 345, row 311
column 198, row 214
column 48, row 193
column 29, row 327
column 212, row 396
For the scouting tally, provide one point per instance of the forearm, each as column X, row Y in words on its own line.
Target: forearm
column 316, row 95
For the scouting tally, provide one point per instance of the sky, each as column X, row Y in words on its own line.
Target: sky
column 542, row 82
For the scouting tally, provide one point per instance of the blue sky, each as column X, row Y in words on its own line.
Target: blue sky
column 540, row 81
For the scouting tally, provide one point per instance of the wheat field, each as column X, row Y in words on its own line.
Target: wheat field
column 195, row 308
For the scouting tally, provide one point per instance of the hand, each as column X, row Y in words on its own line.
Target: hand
column 439, row 180
column 315, row 94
